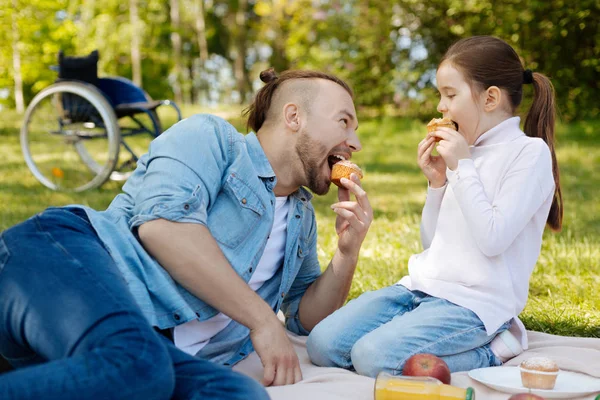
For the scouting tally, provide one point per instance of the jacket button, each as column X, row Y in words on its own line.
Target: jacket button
column 244, row 201
column 177, row 317
column 303, row 199
column 271, row 179
column 300, row 251
column 186, row 207
column 282, row 294
column 297, row 216
column 250, row 270
column 243, row 354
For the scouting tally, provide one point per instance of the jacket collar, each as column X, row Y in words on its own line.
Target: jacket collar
column 263, row 166
column 258, row 157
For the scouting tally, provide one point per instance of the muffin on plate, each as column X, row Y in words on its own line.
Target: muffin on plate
column 539, row 373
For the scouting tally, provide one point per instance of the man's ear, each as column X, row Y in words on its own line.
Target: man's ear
column 493, row 97
column 291, row 116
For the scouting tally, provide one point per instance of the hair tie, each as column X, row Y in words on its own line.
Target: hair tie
column 268, row 75
column 527, row 77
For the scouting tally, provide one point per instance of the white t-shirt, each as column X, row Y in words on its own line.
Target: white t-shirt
column 482, row 232
column 192, row 336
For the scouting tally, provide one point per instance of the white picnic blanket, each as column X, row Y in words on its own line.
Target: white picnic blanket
column 572, row 354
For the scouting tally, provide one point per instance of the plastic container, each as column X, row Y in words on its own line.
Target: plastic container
column 390, row 387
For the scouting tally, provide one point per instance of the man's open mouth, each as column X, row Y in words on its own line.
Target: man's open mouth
column 335, row 158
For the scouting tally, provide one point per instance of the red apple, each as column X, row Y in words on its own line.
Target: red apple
column 427, row 365
column 525, row 396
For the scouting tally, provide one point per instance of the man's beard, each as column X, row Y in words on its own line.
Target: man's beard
column 306, row 148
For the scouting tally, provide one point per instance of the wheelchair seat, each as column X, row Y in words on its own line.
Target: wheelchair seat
column 128, row 109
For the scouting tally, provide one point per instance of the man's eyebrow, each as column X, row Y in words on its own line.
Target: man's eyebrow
column 350, row 115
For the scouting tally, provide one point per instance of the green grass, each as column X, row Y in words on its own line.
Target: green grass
column 564, row 296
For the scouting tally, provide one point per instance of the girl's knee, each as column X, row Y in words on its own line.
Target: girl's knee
column 368, row 358
column 319, row 346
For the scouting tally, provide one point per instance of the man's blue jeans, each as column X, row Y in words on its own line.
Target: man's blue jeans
column 380, row 330
column 67, row 315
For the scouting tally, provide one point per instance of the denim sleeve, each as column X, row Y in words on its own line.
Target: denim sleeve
column 184, row 169
column 309, row 271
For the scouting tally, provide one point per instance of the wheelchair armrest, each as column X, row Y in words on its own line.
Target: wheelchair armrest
column 121, row 91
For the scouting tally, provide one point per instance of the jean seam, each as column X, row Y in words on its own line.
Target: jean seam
column 84, row 270
column 441, row 340
column 73, row 259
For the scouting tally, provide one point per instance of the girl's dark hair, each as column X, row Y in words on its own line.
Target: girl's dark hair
column 488, row 61
column 257, row 111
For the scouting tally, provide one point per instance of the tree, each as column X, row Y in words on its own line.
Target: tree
column 136, row 61
column 176, row 41
column 19, row 102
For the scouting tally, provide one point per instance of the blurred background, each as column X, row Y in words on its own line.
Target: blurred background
column 209, row 52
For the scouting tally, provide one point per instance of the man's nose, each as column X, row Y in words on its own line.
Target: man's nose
column 353, row 142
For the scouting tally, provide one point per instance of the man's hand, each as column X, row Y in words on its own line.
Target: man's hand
column 453, row 146
column 433, row 167
column 354, row 217
column 280, row 362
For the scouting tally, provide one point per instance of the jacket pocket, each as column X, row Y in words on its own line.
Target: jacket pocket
column 235, row 213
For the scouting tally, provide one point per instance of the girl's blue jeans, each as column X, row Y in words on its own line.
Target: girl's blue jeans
column 73, row 331
column 380, row 330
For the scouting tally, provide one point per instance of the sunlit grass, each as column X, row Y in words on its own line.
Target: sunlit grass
column 564, row 289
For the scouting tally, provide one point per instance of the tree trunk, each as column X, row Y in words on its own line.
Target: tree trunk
column 136, row 61
column 176, row 42
column 201, row 31
column 19, row 102
column 278, row 59
column 241, row 75
column 87, row 16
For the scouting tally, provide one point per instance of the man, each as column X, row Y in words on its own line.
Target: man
column 214, row 233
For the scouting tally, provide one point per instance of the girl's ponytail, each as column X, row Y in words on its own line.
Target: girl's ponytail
column 540, row 123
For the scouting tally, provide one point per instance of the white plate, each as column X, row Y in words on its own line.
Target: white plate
column 508, row 380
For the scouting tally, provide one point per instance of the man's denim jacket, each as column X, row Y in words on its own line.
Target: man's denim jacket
column 203, row 171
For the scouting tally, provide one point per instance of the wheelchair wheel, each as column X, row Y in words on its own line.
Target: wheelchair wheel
column 70, row 137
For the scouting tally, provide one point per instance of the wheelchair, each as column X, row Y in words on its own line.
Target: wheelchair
column 74, row 132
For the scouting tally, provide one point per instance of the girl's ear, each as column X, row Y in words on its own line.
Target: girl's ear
column 493, row 97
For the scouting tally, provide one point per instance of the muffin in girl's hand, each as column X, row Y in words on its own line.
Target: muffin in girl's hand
column 539, row 373
column 343, row 169
column 438, row 123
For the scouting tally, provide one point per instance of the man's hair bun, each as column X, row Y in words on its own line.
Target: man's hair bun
column 268, row 75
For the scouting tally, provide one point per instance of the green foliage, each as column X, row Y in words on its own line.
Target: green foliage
column 558, row 38
column 387, row 50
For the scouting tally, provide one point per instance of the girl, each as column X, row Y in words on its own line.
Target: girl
column 491, row 191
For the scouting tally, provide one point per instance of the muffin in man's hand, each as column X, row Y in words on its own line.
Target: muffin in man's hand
column 343, row 169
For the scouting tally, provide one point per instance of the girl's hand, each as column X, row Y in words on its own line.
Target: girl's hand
column 453, row 146
column 433, row 167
